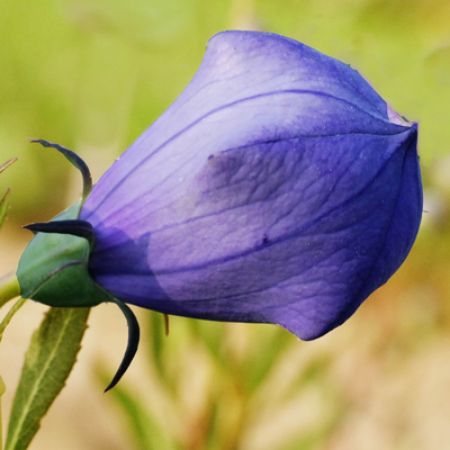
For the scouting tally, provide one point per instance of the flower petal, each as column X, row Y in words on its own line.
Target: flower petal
column 277, row 188
column 257, row 86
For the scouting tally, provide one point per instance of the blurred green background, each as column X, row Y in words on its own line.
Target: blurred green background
column 92, row 75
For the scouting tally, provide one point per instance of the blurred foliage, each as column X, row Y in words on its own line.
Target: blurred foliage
column 4, row 204
column 92, row 75
column 214, row 384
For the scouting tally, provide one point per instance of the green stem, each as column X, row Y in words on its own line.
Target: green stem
column 9, row 289
column 2, row 391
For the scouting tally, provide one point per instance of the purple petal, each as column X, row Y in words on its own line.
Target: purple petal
column 275, row 189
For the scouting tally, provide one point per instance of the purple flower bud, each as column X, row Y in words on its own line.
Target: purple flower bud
column 279, row 187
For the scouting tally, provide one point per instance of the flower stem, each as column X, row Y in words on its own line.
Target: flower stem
column 9, row 289
column 2, row 391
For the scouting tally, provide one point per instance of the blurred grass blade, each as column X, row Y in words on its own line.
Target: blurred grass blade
column 257, row 366
column 48, row 362
column 4, row 207
column 6, row 164
column 4, row 200
column 157, row 341
column 144, row 430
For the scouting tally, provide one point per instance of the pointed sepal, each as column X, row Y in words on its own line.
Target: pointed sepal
column 132, row 344
column 74, row 227
column 54, row 268
column 73, row 159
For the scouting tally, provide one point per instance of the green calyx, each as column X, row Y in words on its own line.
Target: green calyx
column 54, row 269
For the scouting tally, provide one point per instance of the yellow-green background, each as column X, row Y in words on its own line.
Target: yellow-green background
column 92, row 75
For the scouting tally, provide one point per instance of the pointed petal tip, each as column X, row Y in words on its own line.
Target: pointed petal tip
column 309, row 329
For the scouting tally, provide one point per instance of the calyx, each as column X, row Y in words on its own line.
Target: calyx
column 54, row 268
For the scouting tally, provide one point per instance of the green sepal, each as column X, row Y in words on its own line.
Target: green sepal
column 132, row 342
column 54, row 269
column 75, row 160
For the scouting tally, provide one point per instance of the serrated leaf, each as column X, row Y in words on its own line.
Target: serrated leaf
column 48, row 362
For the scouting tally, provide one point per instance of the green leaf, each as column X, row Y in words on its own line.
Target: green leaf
column 48, row 362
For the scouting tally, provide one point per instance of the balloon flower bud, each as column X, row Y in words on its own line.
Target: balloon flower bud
column 278, row 188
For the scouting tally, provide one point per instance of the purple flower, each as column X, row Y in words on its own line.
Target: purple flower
column 279, row 187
